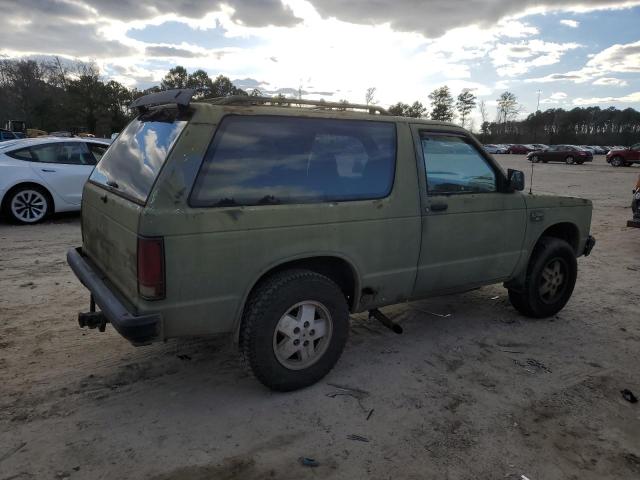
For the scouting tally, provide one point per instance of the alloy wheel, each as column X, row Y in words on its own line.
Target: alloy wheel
column 29, row 206
column 302, row 335
column 553, row 280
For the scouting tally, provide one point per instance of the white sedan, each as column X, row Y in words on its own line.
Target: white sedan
column 40, row 176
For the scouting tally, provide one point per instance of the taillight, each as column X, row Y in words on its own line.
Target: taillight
column 151, row 268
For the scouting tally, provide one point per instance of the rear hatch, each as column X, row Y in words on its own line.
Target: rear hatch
column 117, row 191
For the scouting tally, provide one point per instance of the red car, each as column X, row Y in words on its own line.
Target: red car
column 624, row 158
column 521, row 149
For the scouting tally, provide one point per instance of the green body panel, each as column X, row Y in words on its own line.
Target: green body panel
column 397, row 248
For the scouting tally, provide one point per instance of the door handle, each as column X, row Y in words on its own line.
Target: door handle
column 438, row 207
column 48, row 170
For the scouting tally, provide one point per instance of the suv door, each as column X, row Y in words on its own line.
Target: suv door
column 472, row 227
column 65, row 167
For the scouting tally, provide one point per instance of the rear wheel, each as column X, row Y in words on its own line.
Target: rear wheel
column 27, row 205
column 294, row 328
column 569, row 160
column 535, row 158
column 617, row 161
column 551, row 277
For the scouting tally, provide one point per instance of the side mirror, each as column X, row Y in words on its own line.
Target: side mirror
column 516, row 179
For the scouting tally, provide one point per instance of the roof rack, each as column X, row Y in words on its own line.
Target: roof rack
column 319, row 104
column 180, row 96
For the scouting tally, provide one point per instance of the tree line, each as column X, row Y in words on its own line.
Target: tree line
column 54, row 95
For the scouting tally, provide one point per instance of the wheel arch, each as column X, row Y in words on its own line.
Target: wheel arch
column 336, row 267
column 567, row 231
column 28, row 183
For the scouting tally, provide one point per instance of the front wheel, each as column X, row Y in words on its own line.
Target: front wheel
column 294, row 328
column 617, row 161
column 569, row 160
column 551, row 277
column 535, row 159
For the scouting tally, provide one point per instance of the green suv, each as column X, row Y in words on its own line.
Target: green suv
column 274, row 223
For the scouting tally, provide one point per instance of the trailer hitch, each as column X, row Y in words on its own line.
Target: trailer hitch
column 92, row 319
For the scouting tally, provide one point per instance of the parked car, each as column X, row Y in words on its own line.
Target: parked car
column 598, row 150
column 520, row 149
column 539, row 146
column 495, row 149
column 7, row 135
column 40, row 176
column 275, row 224
column 624, row 157
column 569, row 154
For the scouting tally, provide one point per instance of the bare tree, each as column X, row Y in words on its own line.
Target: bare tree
column 369, row 96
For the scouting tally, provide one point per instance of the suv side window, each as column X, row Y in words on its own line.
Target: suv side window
column 262, row 160
column 453, row 165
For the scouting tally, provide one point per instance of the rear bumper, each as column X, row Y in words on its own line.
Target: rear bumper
column 138, row 329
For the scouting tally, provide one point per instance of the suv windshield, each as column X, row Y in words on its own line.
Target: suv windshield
column 133, row 161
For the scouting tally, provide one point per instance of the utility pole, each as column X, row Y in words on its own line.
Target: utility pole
column 535, row 128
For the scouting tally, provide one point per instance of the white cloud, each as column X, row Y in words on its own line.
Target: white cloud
column 512, row 59
column 631, row 98
column 618, row 58
column 570, row 23
column 554, row 98
column 615, row 82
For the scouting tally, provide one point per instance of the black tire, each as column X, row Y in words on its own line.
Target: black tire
column 36, row 201
column 535, row 158
column 579, row 162
column 569, row 160
column 548, row 253
column 268, row 304
column 617, row 161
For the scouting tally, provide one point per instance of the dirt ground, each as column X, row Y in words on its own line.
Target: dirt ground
column 471, row 390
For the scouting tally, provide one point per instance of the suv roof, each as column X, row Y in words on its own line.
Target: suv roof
column 275, row 106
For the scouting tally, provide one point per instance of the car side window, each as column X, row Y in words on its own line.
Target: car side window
column 70, row 153
column 97, row 150
column 265, row 160
column 454, row 165
column 22, row 154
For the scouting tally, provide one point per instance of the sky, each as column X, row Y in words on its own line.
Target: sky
column 565, row 53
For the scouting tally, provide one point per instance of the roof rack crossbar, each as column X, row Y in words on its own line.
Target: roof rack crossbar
column 249, row 100
column 181, row 97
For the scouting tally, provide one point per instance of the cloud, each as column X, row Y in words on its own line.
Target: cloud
column 512, row 59
column 253, row 13
column 618, row 58
column 570, row 23
column 615, row 82
column 631, row 98
column 167, row 51
column 556, row 97
column 435, row 17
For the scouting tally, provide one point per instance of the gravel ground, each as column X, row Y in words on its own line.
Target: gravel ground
column 471, row 390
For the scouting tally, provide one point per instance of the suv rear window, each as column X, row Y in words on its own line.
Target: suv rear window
column 262, row 160
column 133, row 161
